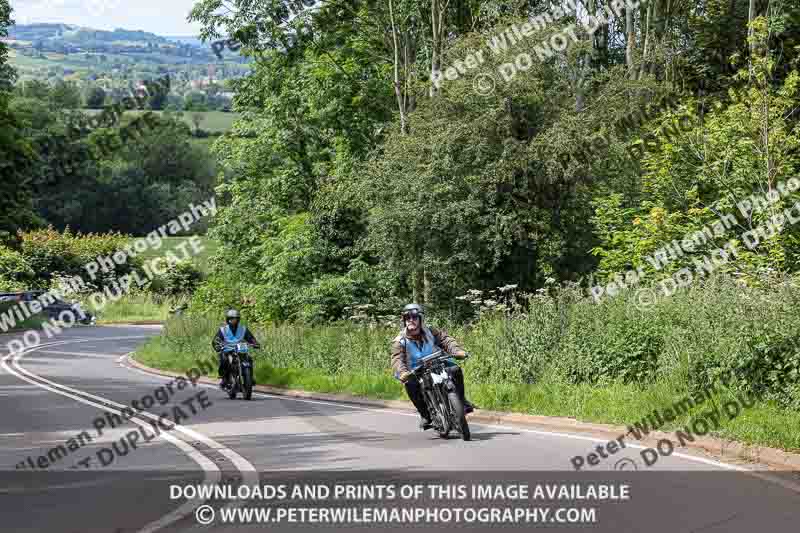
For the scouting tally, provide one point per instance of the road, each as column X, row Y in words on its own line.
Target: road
column 66, row 469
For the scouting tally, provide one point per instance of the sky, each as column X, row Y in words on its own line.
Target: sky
column 163, row 17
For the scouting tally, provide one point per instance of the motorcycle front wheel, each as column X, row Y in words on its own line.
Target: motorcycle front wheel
column 247, row 383
column 438, row 417
column 459, row 416
column 234, row 384
column 444, row 420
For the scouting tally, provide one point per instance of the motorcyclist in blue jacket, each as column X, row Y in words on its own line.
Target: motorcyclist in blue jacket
column 231, row 333
column 414, row 342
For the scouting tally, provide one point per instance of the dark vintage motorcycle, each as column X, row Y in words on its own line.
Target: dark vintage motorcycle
column 240, row 370
column 441, row 396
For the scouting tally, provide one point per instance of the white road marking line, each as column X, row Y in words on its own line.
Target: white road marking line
column 80, row 354
column 543, row 433
column 213, row 474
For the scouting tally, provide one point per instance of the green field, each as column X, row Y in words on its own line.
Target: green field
column 213, row 121
column 133, row 308
column 200, row 260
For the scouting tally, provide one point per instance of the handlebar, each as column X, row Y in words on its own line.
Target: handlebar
column 227, row 347
column 429, row 359
column 433, row 357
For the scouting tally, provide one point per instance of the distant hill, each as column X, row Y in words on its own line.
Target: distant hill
column 48, row 50
column 79, row 35
column 186, row 39
column 36, row 39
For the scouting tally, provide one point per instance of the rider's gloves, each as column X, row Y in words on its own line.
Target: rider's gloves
column 460, row 355
column 405, row 376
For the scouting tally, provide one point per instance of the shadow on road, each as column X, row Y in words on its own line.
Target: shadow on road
column 489, row 435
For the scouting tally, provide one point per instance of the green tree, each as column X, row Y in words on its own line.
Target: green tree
column 95, row 98
column 16, row 205
column 66, row 95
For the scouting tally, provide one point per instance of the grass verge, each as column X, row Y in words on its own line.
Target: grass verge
column 351, row 359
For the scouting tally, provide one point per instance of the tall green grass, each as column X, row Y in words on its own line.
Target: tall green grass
column 611, row 362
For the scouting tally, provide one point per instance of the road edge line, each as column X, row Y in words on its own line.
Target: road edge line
column 780, row 460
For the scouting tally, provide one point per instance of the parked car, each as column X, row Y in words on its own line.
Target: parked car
column 53, row 309
column 10, row 296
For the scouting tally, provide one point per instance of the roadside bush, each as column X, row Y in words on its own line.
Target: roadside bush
column 15, row 272
column 51, row 253
column 609, row 342
column 683, row 343
column 182, row 278
column 7, row 285
column 219, row 293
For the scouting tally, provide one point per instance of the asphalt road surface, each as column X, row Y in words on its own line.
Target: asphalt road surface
column 70, row 461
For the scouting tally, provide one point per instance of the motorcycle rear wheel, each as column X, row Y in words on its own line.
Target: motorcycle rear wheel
column 458, row 413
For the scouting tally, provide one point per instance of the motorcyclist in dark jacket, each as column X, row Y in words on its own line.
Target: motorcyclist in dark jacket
column 231, row 333
column 416, row 341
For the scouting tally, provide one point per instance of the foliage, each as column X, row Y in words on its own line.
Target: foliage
column 738, row 146
column 178, row 279
column 95, row 98
column 103, row 179
column 52, row 254
column 14, row 269
column 548, row 358
column 16, row 203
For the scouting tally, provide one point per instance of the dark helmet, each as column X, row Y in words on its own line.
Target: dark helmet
column 232, row 313
column 412, row 310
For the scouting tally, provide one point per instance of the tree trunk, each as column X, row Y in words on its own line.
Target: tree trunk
column 398, row 91
column 418, row 288
column 426, row 287
column 602, row 40
column 751, row 15
column 630, row 39
column 438, row 13
column 647, row 36
column 582, row 64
